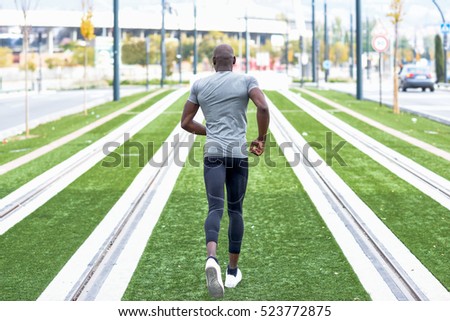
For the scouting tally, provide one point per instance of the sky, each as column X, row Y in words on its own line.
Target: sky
column 418, row 13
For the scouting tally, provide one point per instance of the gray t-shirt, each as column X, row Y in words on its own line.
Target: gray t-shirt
column 223, row 98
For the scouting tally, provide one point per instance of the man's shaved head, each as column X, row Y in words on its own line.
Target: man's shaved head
column 223, row 57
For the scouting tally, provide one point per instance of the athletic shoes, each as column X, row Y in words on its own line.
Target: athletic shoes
column 214, row 278
column 231, row 281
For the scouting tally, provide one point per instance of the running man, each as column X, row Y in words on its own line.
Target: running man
column 223, row 98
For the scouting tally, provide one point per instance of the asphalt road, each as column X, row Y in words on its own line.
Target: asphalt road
column 49, row 105
column 434, row 105
column 46, row 106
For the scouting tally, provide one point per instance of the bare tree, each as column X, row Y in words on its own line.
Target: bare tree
column 396, row 15
column 87, row 31
column 25, row 6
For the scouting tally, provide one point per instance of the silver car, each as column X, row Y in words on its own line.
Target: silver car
column 415, row 77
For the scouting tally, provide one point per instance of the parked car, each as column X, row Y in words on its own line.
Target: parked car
column 415, row 77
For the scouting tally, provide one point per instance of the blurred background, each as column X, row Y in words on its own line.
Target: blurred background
column 280, row 39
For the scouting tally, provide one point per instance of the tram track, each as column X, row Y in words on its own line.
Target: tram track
column 13, row 164
column 29, row 197
column 104, row 264
column 386, row 268
column 431, row 184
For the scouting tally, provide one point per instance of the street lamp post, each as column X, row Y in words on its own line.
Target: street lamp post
column 195, row 38
column 163, row 44
column 40, row 62
column 180, row 53
column 359, row 76
column 247, row 45
column 116, row 54
column 444, row 42
column 351, row 46
column 147, row 60
column 313, row 58
column 326, row 56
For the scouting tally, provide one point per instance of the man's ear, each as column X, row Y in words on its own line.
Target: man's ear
column 234, row 60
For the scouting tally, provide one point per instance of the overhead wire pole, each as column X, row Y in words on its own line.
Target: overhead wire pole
column 163, row 44
column 359, row 75
column 368, row 62
column 444, row 42
column 313, row 55
column 116, row 52
column 195, row 38
column 351, row 46
column 247, row 45
column 326, row 53
column 286, row 45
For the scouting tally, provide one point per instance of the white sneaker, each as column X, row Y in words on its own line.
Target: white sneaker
column 214, row 278
column 231, row 281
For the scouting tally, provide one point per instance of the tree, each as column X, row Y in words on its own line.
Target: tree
column 439, row 58
column 87, row 31
column 339, row 53
column 25, row 6
column 396, row 15
column 405, row 50
column 6, row 57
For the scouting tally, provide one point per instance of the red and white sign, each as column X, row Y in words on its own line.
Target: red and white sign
column 380, row 43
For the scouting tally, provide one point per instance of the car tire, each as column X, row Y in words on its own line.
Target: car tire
column 431, row 89
column 423, row 89
column 403, row 89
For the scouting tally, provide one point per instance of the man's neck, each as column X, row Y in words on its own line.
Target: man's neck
column 224, row 69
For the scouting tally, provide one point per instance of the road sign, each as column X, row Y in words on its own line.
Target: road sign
column 380, row 43
column 326, row 64
column 445, row 28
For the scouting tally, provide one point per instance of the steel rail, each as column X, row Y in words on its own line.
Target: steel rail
column 24, row 198
column 431, row 184
column 393, row 274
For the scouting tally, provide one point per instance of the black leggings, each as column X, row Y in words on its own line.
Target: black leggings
column 232, row 172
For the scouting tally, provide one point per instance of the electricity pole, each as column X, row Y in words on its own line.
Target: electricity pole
column 195, row 38
column 326, row 56
column 116, row 53
column 163, row 44
column 359, row 75
column 351, row 46
column 314, row 76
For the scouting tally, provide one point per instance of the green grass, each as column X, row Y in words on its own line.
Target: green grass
column 417, row 154
column 19, row 176
column 418, row 221
column 427, row 130
column 51, row 131
column 288, row 253
column 36, row 249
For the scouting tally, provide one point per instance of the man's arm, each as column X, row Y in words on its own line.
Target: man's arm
column 262, row 118
column 187, row 119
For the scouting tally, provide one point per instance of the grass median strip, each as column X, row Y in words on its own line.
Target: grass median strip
column 420, row 223
column 35, row 250
column 51, row 131
column 427, row 130
column 19, row 176
column 288, row 253
column 422, row 157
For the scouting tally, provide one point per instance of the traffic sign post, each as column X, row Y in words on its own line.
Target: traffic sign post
column 380, row 44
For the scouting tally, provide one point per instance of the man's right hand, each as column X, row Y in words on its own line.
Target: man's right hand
column 257, row 147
